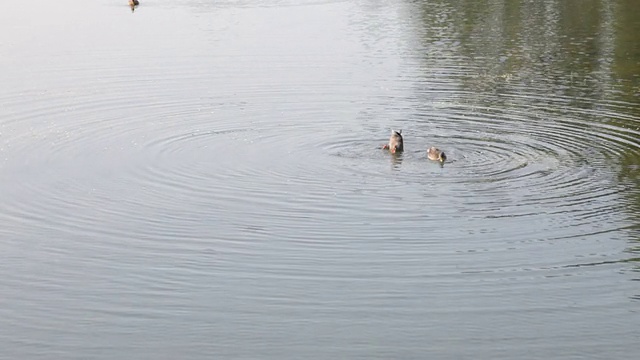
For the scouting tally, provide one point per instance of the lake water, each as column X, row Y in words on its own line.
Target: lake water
column 203, row 179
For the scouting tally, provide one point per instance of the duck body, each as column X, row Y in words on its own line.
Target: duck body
column 436, row 154
column 396, row 143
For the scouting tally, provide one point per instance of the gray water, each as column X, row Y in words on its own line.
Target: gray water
column 203, row 179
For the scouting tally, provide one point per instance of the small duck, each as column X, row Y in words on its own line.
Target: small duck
column 133, row 4
column 395, row 142
column 436, row 154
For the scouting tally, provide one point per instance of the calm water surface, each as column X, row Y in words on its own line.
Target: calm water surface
column 203, row 179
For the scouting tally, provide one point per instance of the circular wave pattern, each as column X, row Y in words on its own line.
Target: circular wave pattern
column 315, row 144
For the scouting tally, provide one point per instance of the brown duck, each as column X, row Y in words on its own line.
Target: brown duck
column 133, row 4
column 395, row 142
column 436, row 154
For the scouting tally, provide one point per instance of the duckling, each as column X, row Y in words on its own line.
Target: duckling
column 395, row 142
column 133, row 4
column 436, row 154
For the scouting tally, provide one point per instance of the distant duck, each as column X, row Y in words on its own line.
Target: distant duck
column 395, row 142
column 436, row 154
column 133, row 4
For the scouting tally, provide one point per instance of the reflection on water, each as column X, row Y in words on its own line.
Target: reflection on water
column 205, row 177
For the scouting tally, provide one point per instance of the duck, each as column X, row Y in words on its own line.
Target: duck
column 395, row 142
column 436, row 154
column 133, row 4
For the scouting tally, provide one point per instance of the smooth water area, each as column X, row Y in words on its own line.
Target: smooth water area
column 204, row 179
